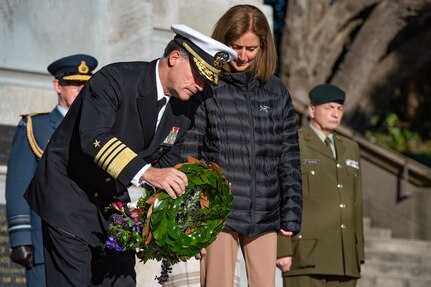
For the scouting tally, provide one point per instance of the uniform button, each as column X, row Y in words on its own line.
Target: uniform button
column 96, row 194
column 299, row 236
column 342, row 205
column 114, row 197
column 313, row 172
column 339, row 165
column 108, row 179
column 343, row 226
column 339, row 185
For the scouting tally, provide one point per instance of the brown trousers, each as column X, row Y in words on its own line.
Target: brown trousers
column 260, row 254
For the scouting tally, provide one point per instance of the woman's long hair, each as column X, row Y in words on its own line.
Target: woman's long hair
column 241, row 19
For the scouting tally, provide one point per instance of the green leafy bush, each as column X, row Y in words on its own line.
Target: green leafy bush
column 388, row 130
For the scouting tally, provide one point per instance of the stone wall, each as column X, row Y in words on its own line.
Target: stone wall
column 35, row 33
column 408, row 218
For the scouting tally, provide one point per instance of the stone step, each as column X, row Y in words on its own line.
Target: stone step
column 371, row 281
column 396, row 270
column 366, row 222
column 378, row 233
column 398, row 246
column 373, row 232
column 394, row 262
column 409, row 259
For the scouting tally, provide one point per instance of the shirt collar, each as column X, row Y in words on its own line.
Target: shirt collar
column 321, row 135
column 62, row 110
column 160, row 93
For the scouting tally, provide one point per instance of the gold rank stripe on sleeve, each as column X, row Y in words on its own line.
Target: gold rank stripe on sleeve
column 114, row 156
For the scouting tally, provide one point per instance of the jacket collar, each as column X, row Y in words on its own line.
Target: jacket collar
column 147, row 102
column 243, row 80
column 55, row 118
column 314, row 142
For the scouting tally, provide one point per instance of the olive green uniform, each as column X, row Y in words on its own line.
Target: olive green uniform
column 331, row 241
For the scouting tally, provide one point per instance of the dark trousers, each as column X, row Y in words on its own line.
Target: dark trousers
column 35, row 276
column 70, row 261
column 319, row 281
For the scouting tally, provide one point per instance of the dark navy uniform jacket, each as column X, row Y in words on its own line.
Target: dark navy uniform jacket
column 107, row 136
column 25, row 225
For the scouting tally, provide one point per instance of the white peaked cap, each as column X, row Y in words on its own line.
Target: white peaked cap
column 208, row 55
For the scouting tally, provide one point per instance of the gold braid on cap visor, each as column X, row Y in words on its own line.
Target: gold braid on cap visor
column 77, row 77
column 82, row 69
column 206, row 69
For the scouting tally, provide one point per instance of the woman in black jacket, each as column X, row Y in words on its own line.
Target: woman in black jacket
column 247, row 125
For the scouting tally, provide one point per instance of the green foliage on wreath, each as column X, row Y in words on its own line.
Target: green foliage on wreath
column 161, row 227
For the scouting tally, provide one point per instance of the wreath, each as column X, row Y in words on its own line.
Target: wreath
column 173, row 230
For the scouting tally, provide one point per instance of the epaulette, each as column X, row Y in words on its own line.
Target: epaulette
column 30, row 135
column 24, row 115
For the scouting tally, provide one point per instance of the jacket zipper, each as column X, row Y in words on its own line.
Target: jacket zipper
column 252, row 162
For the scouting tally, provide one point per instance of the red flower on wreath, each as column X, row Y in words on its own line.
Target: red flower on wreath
column 135, row 214
column 118, row 206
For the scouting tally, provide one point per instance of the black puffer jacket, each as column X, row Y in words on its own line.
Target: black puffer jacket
column 249, row 129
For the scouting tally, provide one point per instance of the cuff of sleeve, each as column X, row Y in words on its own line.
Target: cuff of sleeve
column 284, row 246
column 20, row 238
column 137, row 181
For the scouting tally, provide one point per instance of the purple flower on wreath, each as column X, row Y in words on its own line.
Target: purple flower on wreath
column 138, row 227
column 119, row 219
column 110, row 242
column 118, row 247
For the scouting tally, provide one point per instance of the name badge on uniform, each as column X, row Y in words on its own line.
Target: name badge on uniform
column 352, row 163
column 311, row 161
column 172, row 136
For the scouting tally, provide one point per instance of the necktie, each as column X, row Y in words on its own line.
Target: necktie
column 328, row 144
column 160, row 104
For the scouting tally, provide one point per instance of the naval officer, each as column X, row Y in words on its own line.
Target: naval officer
column 114, row 136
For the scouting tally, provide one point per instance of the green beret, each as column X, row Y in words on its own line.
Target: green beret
column 326, row 93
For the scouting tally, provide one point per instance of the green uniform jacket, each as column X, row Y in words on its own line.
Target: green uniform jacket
column 331, row 240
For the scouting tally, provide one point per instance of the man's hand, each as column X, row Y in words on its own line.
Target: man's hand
column 285, row 233
column 173, row 181
column 284, row 263
column 23, row 255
